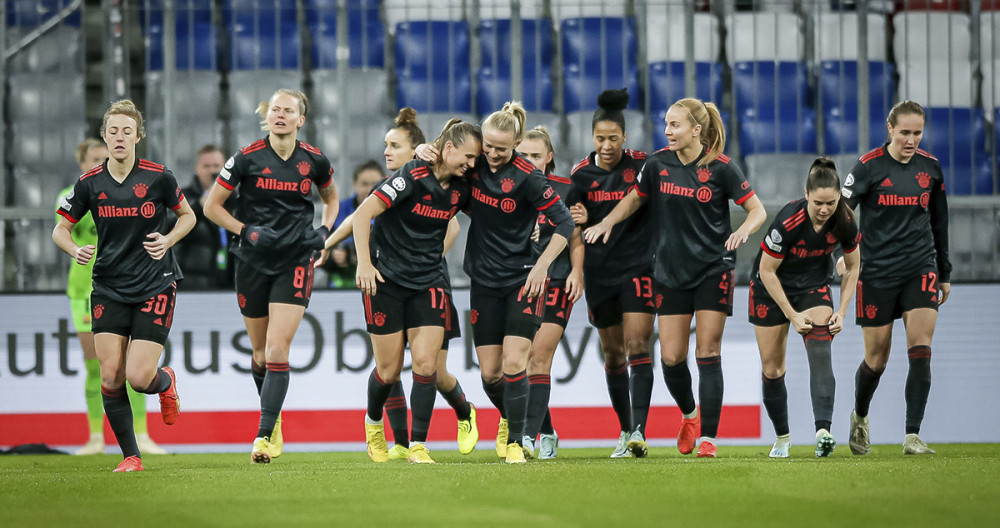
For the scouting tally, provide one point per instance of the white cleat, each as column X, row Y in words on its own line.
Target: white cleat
column 621, row 450
column 913, row 445
column 780, row 448
column 859, row 441
column 825, row 443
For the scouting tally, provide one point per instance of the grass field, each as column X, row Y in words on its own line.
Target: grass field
column 960, row 486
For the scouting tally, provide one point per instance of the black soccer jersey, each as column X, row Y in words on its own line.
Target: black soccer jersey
column 407, row 240
column 125, row 213
column 628, row 252
column 904, row 216
column 562, row 265
column 275, row 193
column 805, row 253
column 504, row 209
column 690, row 211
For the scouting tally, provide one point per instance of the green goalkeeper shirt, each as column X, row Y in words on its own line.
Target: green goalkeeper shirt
column 80, row 283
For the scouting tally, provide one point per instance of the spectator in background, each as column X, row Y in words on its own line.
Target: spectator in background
column 203, row 253
column 344, row 257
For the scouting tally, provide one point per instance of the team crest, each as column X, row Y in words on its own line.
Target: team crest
column 761, row 311
column 704, row 174
column 924, row 179
column 628, row 175
column 659, row 300
column 241, row 300
column 140, row 190
column 304, row 168
column 506, row 185
column 98, row 311
column 871, row 311
column 831, row 239
column 474, row 316
column 305, row 186
column 379, row 319
column 455, row 195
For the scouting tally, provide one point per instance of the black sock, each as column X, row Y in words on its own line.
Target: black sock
column 710, row 389
column 539, row 390
column 494, row 391
column 776, row 402
column 621, row 402
column 918, row 386
column 395, row 411
column 547, row 424
column 378, row 393
column 272, row 397
column 865, row 383
column 515, row 401
column 456, row 399
column 422, row 395
column 257, row 372
column 678, row 380
column 119, row 413
column 641, row 389
column 159, row 383
column 822, row 384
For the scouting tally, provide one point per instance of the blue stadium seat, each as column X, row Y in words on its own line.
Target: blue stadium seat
column 495, row 89
column 773, row 107
column 432, row 66
column 957, row 138
column 666, row 83
column 30, row 13
column 366, row 36
column 838, row 83
column 494, row 75
column 763, row 131
column 262, row 36
column 196, row 36
column 586, row 44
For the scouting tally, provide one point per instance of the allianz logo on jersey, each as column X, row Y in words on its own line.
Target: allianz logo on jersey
column 272, row 184
column 147, row 210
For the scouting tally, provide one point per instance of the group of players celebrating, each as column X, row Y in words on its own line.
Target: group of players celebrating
column 643, row 237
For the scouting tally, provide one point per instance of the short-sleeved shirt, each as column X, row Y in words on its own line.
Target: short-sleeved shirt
column 504, row 210
column 125, row 213
column 79, row 282
column 628, row 251
column 407, row 241
column 562, row 265
column 805, row 253
column 690, row 211
column 276, row 193
column 904, row 216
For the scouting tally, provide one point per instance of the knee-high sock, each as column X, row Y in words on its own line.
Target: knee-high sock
column 515, row 402
column 776, row 402
column 378, row 393
column 272, row 397
column 620, row 399
column 865, row 383
column 137, row 401
column 422, row 395
column 918, row 386
column 539, row 390
column 456, row 399
column 119, row 412
column 710, row 389
column 494, row 391
column 822, row 384
column 547, row 424
column 159, row 383
column 257, row 372
column 641, row 389
column 92, row 393
column 395, row 410
column 678, row 380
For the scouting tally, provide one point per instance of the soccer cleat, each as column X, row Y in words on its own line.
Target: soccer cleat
column 824, row 443
column 547, row 446
column 399, row 452
column 637, row 445
column 528, row 447
column 132, row 463
column 502, row 433
column 94, row 446
column 859, row 441
column 689, row 433
column 378, row 450
column 261, row 452
column 515, row 455
column 468, row 432
column 707, row 450
column 621, row 450
column 913, row 445
column 418, row 454
column 170, row 403
column 276, row 440
column 147, row 446
column 780, row 447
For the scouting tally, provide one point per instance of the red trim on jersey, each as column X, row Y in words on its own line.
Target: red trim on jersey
column 926, row 154
column 253, row 147
column 767, row 250
column 579, row 165
column 327, row 184
column 546, row 206
column 723, row 158
column 419, row 172
column 383, row 197
column 524, row 165
column 309, row 148
column 224, row 183
column 559, row 179
column 150, row 166
column 67, row 216
column 95, row 170
column 857, row 242
column 874, row 154
column 637, row 191
column 664, row 149
column 745, row 198
column 793, row 221
column 636, row 154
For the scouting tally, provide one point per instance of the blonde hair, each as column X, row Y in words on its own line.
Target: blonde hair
column 713, row 131
column 126, row 108
column 264, row 105
column 84, row 147
column 542, row 133
column 510, row 119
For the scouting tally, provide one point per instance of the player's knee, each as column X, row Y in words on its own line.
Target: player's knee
column 636, row 345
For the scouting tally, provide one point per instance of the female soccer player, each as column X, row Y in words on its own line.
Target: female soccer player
column 565, row 288
column 401, row 279
column 689, row 185
column 274, row 254
column 790, row 285
column 905, row 268
column 618, row 274
column 135, row 278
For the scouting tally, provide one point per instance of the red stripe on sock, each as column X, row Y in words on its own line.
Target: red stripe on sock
column 540, row 379
column 114, row 393
column 919, row 352
column 620, row 370
column 513, row 378
column 640, row 360
column 278, row 367
column 713, row 360
column 819, row 333
column 426, row 380
column 378, row 378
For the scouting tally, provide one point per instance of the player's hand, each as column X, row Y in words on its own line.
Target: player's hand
column 321, row 259
column 801, row 322
column 574, row 285
column 258, row 236
column 83, row 254
column 836, row 323
column 944, row 291
column 841, row 267
column 579, row 213
column 157, row 247
column 536, row 233
column 367, row 278
column 426, row 152
column 736, row 240
column 535, row 285
column 600, row 232
column 315, row 239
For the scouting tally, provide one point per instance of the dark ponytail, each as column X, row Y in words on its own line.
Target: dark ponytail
column 610, row 105
column 823, row 175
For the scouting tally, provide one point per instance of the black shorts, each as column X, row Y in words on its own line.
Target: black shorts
column 148, row 320
column 714, row 293
column 395, row 308
column 764, row 311
column 256, row 290
column 605, row 306
column 500, row 312
column 557, row 304
column 881, row 306
column 455, row 330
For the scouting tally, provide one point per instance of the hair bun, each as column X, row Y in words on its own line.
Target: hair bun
column 407, row 117
column 613, row 100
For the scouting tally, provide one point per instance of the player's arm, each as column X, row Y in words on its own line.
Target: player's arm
column 852, row 263
column 454, row 228
column 321, row 236
column 625, row 208
column 158, row 244
column 342, row 233
column 367, row 275
column 545, row 199
column 939, row 226
column 769, row 277
column 755, row 218
column 62, row 235
column 574, row 283
column 216, row 212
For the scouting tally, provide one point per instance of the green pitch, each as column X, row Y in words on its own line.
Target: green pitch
column 960, row 486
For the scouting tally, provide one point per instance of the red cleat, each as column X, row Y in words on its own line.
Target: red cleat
column 170, row 403
column 132, row 463
column 707, row 450
column 689, row 433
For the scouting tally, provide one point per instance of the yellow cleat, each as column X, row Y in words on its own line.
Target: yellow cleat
column 502, row 433
column 378, row 450
column 515, row 455
column 418, row 454
column 399, row 452
column 261, row 452
column 468, row 432
column 276, row 441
